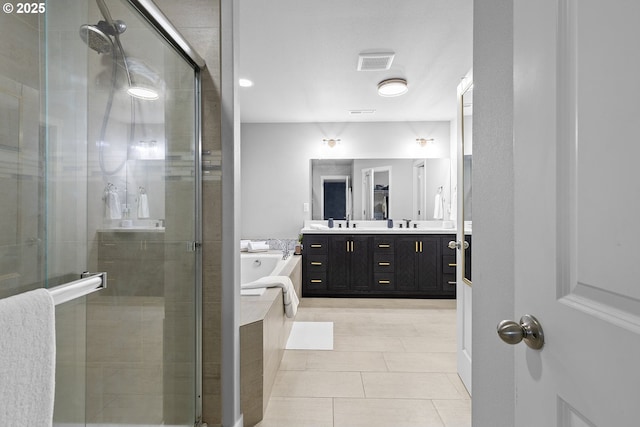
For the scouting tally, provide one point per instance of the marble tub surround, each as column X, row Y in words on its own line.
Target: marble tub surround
column 276, row 244
column 399, row 226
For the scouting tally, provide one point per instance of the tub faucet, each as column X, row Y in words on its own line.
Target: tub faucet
column 285, row 249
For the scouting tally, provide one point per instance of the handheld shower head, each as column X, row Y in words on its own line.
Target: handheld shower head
column 96, row 39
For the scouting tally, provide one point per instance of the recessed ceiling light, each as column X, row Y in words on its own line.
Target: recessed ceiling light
column 392, row 87
column 245, row 82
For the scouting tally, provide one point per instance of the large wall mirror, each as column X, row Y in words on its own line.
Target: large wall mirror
column 378, row 189
column 467, row 206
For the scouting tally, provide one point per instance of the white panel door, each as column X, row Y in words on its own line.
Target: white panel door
column 577, row 206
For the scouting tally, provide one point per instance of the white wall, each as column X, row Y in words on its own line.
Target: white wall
column 276, row 164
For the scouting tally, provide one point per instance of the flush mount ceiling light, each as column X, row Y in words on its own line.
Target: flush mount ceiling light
column 392, row 87
column 423, row 142
column 144, row 82
column 331, row 142
column 143, row 92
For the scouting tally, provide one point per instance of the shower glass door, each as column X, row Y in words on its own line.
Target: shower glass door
column 118, row 193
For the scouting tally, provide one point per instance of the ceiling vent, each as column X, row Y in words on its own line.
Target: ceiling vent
column 375, row 61
column 361, row 112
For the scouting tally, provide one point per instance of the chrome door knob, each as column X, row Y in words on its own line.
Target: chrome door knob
column 456, row 245
column 528, row 329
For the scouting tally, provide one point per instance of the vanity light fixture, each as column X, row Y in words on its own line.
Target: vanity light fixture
column 392, row 87
column 422, row 142
column 331, row 142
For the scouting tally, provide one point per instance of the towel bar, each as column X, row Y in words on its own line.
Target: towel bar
column 78, row 288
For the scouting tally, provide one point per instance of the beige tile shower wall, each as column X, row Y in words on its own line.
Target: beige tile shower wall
column 199, row 23
column 20, row 178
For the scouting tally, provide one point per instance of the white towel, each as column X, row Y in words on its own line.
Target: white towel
column 27, row 359
column 112, row 208
column 453, row 216
column 289, row 295
column 244, row 245
column 318, row 227
column 257, row 246
column 437, row 209
column 143, row 206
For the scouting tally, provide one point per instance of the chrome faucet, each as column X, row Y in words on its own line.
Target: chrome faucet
column 285, row 248
column 407, row 221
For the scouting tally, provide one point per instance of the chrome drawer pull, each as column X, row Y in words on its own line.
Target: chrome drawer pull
column 453, row 265
column 316, row 281
column 316, row 246
column 384, row 282
column 316, row 263
column 384, row 264
column 384, row 246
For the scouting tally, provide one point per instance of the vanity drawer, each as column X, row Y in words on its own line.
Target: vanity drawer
column 315, row 263
column 449, row 264
column 383, row 263
column 384, row 281
column 315, row 245
column 316, row 281
column 383, row 244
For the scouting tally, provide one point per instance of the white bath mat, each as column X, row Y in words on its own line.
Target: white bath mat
column 311, row 336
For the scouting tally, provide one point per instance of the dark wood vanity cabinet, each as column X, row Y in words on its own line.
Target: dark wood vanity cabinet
column 350, row 263
column 380, row 265
column 316, row 251
column 417, row 261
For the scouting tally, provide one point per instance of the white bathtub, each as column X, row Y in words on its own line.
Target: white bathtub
column 256, row 265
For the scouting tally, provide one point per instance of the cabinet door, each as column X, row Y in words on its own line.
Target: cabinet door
column 406, row 263
column 428, row 263
column 338, row 269
column 360, row 263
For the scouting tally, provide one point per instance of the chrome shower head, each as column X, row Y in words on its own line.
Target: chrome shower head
column 96, row 39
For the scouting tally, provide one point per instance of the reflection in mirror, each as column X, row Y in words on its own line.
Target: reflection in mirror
column 467, row 207
column 377, row 189
column 375, row 193
column 335, row 196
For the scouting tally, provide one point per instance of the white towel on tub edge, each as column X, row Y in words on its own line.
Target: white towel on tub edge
column 289, row 295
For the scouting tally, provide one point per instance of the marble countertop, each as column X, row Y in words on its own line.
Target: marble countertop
column 380, row 227
column 379, row 230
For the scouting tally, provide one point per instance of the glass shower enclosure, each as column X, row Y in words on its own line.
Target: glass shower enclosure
column 99, row 172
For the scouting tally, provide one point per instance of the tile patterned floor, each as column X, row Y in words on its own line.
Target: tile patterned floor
column 393, row 365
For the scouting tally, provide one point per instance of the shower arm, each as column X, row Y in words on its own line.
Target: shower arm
column 104, row 10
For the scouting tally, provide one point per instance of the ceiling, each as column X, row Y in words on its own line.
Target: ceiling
column 302, row 57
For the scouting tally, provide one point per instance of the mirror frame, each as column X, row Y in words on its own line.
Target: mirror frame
column 465, row 87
